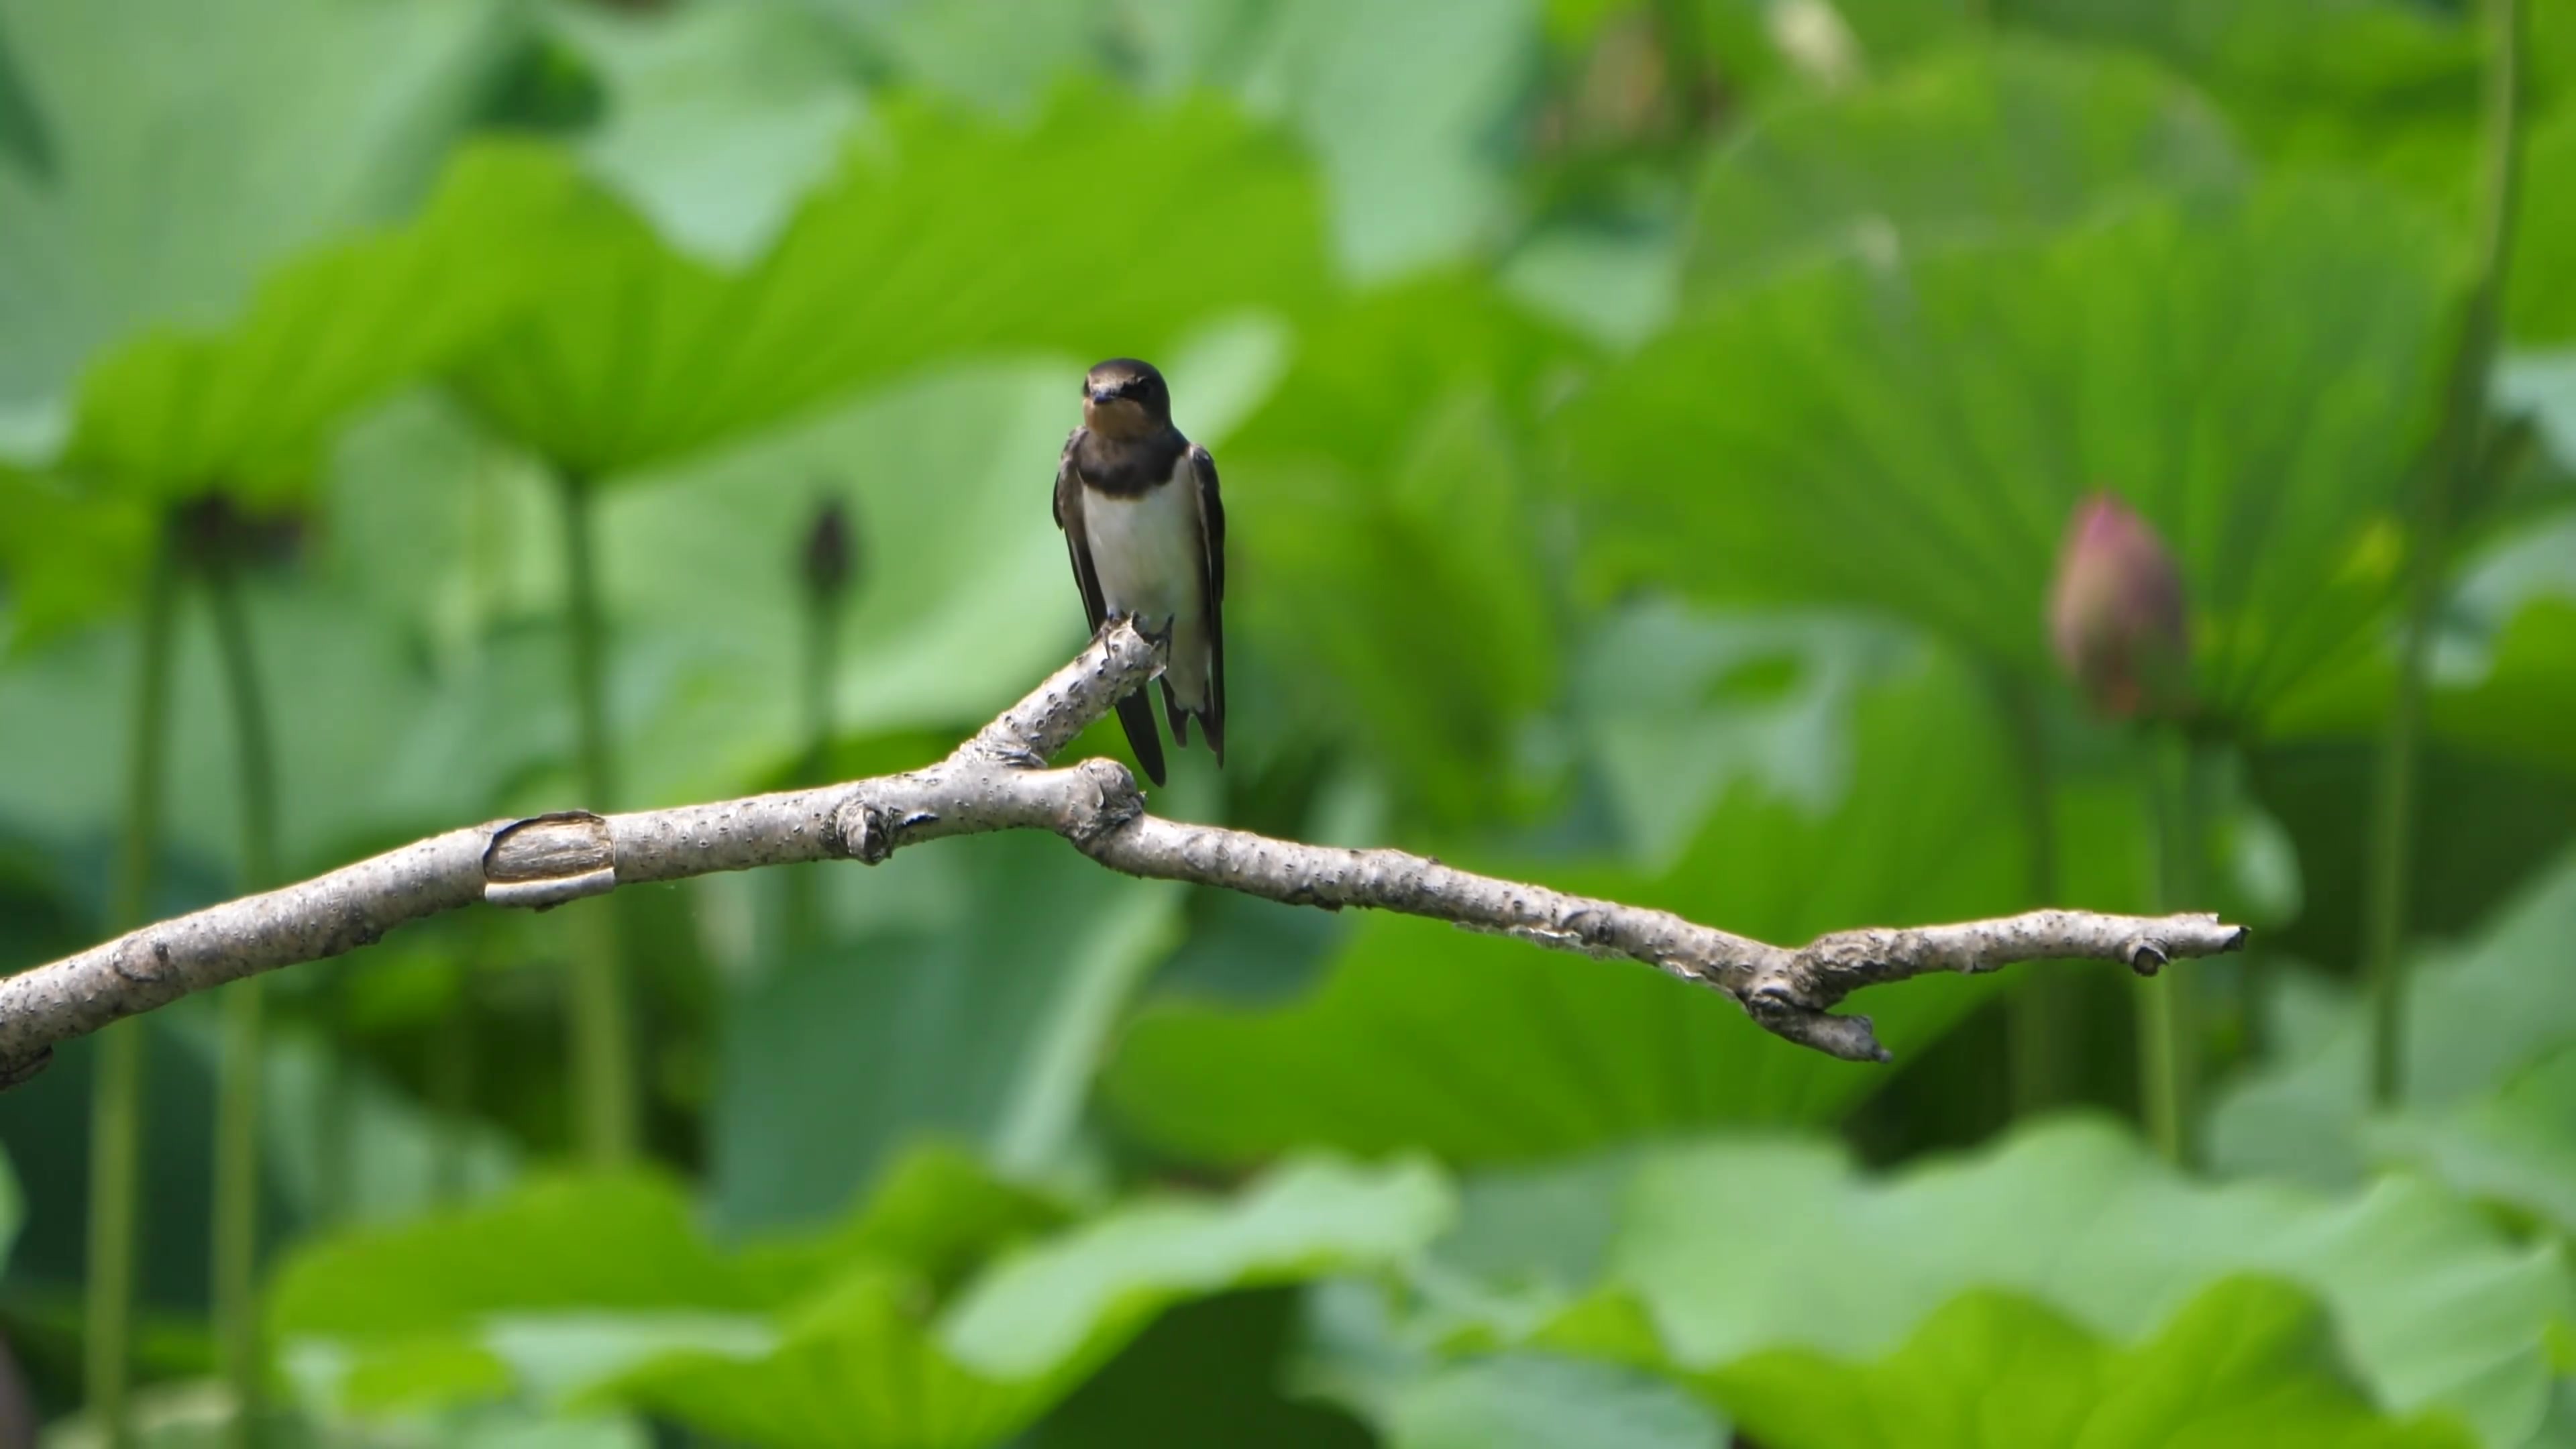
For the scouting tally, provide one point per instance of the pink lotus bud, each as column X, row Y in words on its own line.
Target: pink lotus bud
column 2116, row 615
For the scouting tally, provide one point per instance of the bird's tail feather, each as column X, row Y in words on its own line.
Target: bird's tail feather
column 1136, row 717
column 1180, row 715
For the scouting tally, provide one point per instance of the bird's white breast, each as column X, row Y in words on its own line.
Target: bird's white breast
column 1145, row 549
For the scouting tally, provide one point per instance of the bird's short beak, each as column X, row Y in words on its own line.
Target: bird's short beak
column 1102, row 397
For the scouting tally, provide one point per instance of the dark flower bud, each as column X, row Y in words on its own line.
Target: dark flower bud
column 2116, row 615
column 831, row 552
column 206, row 526
column 212, row 530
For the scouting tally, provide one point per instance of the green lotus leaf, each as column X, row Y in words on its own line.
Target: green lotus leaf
column 1965, row 148
column 248, row 409
column 2256, row 384
column 939, row 236
column 2431, row 1307
column 185, row 147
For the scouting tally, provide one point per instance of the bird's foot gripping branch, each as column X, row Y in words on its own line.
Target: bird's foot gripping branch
column 1001, row 780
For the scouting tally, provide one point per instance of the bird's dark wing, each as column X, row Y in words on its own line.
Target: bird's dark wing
column 1135, row 713
column 1212, row 552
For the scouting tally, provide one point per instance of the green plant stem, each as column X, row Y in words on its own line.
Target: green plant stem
column 821, row 673
column 2254, row 1005
column 1687, row 73
column 801, row 904
column 2160, row 1076
column 116, row 1110
column 2168, row 1021
column 2041, row 1016
column 602, row 1056
column 451, row 1091
column 235, row 1249
column 2454, row 461
column 334, row 1125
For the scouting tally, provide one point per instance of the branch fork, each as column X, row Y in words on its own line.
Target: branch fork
column 1000, row 779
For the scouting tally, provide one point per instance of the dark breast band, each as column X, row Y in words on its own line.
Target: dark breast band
column 1128, row 467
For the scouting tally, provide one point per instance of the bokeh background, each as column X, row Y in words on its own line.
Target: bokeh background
column 1648, row 430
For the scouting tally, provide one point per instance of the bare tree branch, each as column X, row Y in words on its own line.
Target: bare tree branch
column 999, row 780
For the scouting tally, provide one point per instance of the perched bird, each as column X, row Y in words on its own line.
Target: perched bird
column 1141, row 518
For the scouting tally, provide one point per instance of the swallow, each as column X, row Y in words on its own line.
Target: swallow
column 1145, row 527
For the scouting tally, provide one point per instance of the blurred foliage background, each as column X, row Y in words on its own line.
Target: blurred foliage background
column 1649, row 430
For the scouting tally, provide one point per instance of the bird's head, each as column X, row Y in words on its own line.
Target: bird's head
column 1124, row 398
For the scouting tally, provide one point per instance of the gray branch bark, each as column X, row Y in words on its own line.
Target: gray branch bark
column 1000, row 780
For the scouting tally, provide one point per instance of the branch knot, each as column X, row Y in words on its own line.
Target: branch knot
column 545, row 860
column 864, row 833
column 1116, row 800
